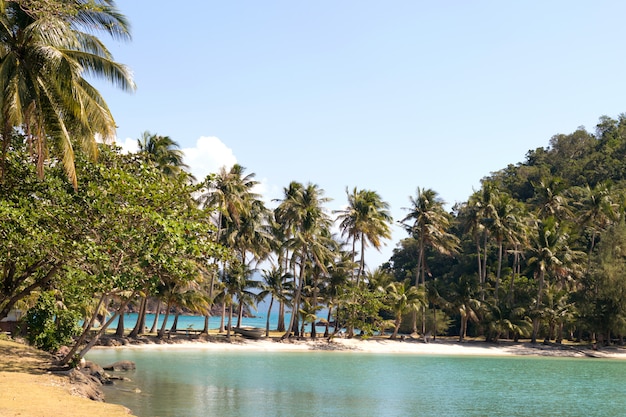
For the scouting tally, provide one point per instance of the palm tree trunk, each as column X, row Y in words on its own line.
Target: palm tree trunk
column 516, row 262
column 119, row 332
column 230, row 320
column 296, row 303
column 499, row 269
column 434, row 323
column 362, row 260
column 267, row 322
column 281, row 317
column 157, row 313
column 396, row 328
column 483, row 279
column 175, row 324
column 141, row 318
column 327, row 329
column 239, row 314
column 423, row 273
column 222, row 329
column 463, row 330
column 165, row 319
column 92, row 342
column 205, row 330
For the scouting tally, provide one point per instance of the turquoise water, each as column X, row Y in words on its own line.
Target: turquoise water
column 196, row 382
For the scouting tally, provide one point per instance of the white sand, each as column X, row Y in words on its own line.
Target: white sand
column 409, row 346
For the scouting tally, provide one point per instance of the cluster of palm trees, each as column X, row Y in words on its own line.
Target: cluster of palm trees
column 295, row 239
column 544, row 249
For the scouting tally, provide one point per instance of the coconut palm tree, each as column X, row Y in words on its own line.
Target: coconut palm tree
column 465, row 303
column 45, row 58
column 228, row 193
column 598, row 212
column 366, row 219
column 163, row 152
column 310, row 237
column 481, row 218
column 551, row 256
column 428, row 223
column 403, row 298
column 282, row 230
column 277, row 287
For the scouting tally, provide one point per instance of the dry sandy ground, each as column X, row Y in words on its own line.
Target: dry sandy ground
column 27, row 389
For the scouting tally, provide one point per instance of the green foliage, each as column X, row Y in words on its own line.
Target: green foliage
column 360, row 309
column 50, row 325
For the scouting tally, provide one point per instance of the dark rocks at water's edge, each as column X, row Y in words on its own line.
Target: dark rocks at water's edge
column 120, row 366
column 88, row 379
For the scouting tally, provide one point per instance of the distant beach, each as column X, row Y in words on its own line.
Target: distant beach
column 440, row 346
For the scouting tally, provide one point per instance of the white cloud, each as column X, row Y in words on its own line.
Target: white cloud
column 128, row 145
column 208, row 156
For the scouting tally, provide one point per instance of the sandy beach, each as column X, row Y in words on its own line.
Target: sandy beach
column 444, row 346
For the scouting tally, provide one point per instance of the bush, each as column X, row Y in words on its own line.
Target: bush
column 49, row 325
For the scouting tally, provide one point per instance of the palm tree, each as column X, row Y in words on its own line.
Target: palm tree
column 507, row 228
column 366, row 219
column 598, row 212
column 282, row 231
column 277, row 287
column 403, row 298
column 163, row 152
column 551, row 200
column 481, row 218
column 428, row 223
column 228, row 193
column 44, row 58
column 310, row 237
column 465, row 304
column 551, row 256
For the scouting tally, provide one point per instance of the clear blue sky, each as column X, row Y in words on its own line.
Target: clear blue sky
column 382, row 95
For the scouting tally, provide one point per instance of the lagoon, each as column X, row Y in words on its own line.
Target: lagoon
column 177, row 382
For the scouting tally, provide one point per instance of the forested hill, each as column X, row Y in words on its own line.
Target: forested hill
column 578, row 159
column 539, row 250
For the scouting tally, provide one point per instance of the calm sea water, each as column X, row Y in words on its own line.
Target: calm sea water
column 196, row 382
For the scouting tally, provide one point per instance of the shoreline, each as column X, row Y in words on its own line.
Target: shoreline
column 442, row 346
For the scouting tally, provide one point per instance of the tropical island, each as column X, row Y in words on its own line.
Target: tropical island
column 88, row 233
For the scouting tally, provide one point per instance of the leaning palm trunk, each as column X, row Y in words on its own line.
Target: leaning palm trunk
column 396, row 328
column 89, row 324
column 167, row 316
column 175, row 324
column 155, row 322
column 141, row 318
column 70, row 355
column 296, row 303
